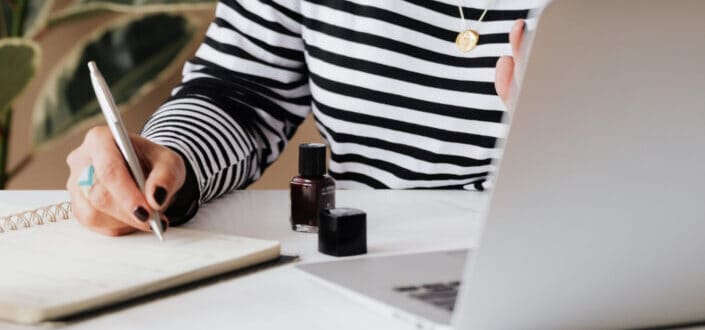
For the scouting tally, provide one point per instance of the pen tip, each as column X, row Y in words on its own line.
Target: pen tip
column 160, row 236
column 156, row 229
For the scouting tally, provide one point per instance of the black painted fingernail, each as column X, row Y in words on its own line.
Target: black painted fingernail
column 160, row 195
column 164, row 225
column 141, row 214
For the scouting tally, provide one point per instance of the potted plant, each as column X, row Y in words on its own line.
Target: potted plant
column 134, row 51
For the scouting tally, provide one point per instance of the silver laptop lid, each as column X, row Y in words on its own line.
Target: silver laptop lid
column 598, row 214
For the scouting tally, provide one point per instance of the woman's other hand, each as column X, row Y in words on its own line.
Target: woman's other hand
column 506, row 64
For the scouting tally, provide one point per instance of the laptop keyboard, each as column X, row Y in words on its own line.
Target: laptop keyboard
column 441, row 295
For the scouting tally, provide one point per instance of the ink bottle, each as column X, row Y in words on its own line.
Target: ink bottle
column 312, row 190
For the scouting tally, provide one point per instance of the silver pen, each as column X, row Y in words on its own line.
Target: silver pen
column 121, row 137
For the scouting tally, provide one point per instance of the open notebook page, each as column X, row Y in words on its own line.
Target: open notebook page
column 61, row 268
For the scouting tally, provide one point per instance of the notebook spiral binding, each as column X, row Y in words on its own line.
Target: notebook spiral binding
column 36, row 217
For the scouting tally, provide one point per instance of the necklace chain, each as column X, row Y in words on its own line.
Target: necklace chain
column 462, row 15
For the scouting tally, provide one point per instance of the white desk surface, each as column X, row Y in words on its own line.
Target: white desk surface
column 283, row 297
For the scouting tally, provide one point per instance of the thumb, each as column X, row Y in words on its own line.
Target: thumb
column 164, row 180
column 503, row 78
column 166, row 175
column 516, row 37
column 504, row 75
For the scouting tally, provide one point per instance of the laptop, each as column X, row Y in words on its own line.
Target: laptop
column 597, row 218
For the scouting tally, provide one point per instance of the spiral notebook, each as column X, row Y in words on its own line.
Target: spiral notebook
column 52, row 267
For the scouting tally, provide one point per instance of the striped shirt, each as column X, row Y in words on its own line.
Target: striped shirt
column 398, row 104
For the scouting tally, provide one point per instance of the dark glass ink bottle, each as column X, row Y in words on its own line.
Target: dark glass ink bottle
column 312, row 190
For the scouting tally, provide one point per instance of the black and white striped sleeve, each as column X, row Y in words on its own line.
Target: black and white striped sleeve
column 241, row 98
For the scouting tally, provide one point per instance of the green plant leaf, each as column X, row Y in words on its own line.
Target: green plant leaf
column 19, row 59
column 87, row 8
column 35, row 16
column 132, row 55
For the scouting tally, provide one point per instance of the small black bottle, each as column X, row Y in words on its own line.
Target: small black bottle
column 312, row 190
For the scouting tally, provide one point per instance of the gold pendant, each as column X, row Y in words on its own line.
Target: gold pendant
column 467, row 40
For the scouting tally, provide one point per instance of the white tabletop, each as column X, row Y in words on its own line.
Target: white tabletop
column 283, row 297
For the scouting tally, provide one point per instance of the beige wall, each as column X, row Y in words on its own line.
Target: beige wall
column 47, row 169
column 278, row 175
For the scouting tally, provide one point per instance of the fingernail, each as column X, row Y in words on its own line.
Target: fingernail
column 165, row 225
column 160, row 195
column 141, row 214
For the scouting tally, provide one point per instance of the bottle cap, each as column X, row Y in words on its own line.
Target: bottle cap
column 312, row 159
column 342, row 232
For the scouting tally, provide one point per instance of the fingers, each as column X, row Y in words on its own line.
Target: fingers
column 166, row 176
column 116, row 194
column 99, row 222
column 503, row 78
column 516, row 36
column 90, row 217
column 506, row 65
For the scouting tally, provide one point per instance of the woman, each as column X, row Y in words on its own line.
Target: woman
column 400, row 104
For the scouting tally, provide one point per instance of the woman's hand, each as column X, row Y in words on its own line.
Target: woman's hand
column 506, row 64
column 114, row 205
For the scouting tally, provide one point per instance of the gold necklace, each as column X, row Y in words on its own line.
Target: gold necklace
column 468, row 38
